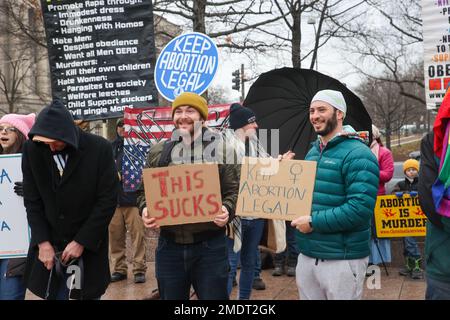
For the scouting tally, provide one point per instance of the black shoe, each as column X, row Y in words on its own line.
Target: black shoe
column 117, row 276
column 234, row 282
column 290, row 271
column 404, row 271
column 277, row 271
column 139, row 278
column 258, row 284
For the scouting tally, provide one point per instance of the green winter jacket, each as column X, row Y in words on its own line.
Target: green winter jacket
column 344, row 197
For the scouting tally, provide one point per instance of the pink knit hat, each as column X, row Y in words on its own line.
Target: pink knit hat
column 19, row 121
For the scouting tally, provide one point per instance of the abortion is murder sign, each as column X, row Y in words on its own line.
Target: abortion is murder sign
column 182, row 194
column 399, row 217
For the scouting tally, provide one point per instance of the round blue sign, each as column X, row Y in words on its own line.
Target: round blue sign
column 188, row 63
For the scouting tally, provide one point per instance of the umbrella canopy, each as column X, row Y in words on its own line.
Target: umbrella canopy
column 280, row 99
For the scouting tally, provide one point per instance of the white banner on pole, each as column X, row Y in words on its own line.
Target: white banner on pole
column 14, row 231
column 436, row 42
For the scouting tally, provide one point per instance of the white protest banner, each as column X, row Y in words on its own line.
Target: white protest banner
column 284, row 193
column 14, row 231
column 436, row 42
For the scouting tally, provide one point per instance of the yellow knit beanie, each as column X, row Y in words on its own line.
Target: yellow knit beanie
column 410, row 163
column 194, row 100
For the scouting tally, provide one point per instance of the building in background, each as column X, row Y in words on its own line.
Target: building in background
column 24, row 67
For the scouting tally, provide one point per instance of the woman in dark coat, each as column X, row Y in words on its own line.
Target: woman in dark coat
column 70, row 193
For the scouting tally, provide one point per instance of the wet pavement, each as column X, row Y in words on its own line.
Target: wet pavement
column 392, row 287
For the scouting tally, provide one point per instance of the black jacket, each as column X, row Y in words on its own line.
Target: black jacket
column 125, row 199
column 77, row 206
column 406, row 185
column 428, row 173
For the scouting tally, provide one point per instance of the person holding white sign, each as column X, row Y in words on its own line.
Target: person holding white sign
column 195, row 253
column 14, row 130
column 247, row 231
column 334, row 240
column 243, row 121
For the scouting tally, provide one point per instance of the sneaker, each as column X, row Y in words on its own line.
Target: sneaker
column 404, row 271
column 117, row 276
column 417, row 272
column 258, row 284
column 407, row 268
column 290, row 272
column 277, row 271
column 139, row 278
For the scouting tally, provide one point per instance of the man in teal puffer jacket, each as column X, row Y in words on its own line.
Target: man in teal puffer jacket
column 334, row 239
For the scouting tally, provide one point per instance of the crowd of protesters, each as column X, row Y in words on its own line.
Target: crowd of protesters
column 79, row 214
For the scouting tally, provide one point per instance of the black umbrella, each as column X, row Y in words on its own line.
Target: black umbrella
column 280, row 99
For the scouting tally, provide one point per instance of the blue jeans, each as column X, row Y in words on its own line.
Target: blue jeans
column 11, row 288
column 258, row 264
column 204, row 265
column 410, row 248
column 437, row 290
column 380, row 251
column 291, row 251
column 251, row 236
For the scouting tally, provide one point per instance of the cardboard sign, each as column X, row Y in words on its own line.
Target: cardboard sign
column 14, row 231
column 144, row 127
column 272, row 189
column 399, row 217
column 183, row 194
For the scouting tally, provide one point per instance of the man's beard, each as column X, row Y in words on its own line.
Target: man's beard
column 330, row 125
column 189, row 122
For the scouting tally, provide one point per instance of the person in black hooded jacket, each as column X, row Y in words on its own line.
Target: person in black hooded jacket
column 70, row 193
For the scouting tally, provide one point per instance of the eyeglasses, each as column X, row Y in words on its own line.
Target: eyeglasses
column 8, row 129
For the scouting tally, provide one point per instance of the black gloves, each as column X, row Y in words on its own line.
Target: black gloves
column 18, row 188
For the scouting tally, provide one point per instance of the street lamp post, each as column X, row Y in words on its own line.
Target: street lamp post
column 312, row 20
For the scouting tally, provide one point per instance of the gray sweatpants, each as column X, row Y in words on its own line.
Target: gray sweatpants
column 319, row 279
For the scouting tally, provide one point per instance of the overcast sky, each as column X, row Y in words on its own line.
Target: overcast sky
column 330, row 62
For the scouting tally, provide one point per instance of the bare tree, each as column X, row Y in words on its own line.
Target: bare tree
column 389, row 110
column 218, row 95
column 403, row 16
column 393, row 46
column 23, row 21
column 292, row 11
column 22, row 48
column 330, row 16
column 12, row 77
column 232, row 23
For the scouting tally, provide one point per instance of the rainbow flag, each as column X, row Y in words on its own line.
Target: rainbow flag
column 441, row 187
